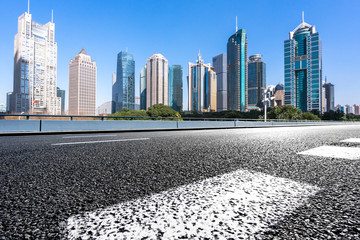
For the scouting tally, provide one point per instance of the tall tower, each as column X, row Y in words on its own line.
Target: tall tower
column 176, row 87
column 35, row 68
column 123, row 91
column 82, row 85
column 220, row 66
column 157, row 80
column 202, row 87
column 329, row 97
column 256, row 81
column 237, row 71
column 143, row 88
column 303, row 68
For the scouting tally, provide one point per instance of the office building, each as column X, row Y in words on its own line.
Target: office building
column 237, row 71
column 176, row 87
column 329, row 97
column 8, row 99
column 356, row 109
column 61, row 94
column 279, row 95
column 220, row 67
column 157, row 81
column 256, row 82
column 123, row 91
column 35, row 68
column 303, row 68
column 82, row 85
column 202, row 87
column 2, row 107
column 104, row 109
column 137, row 102
column 143, row 88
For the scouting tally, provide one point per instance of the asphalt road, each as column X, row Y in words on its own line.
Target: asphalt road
column 88, row 185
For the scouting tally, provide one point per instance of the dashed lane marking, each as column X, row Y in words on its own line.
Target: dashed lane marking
column 234, row 205
column 102, row 141
column 351, row 140
column 90, row 136
column 351, row 153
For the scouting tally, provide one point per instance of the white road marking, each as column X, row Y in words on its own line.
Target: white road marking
column 351, row 153
column 102, row 141
column 91, row 136
column 238, row 204
column 351, row 140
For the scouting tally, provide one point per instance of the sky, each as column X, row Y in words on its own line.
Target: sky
column 178, row 29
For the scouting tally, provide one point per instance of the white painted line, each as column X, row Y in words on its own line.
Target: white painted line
column 103, row 141
column 351, row 140
column 91, row 136
column 351, row 153
column 233, row 205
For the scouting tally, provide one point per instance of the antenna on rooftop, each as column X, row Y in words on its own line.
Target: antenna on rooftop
column 52, row 15
column 236, row 29
column 28, row 6
column 303, row 17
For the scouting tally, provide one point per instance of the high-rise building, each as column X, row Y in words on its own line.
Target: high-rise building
column 8, row 99
column 82, row 85
column 329, row 97
column 256, row 82
column 237, row 71
column 61, row 95
column 35, row 68
column 123, row 91
column 303, row 68
column 143, row 88
column 220, row 67
column 2, row 107
column 137, row 102
column 104, row 109
column 176, row 87
column 356, row 109
column 202, row 87
column 279, row 95
column 157, row 80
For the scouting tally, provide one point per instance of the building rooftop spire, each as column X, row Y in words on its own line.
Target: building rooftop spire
column 83, row 51
column 303, row 17
column 236, row 28
column 28, row 6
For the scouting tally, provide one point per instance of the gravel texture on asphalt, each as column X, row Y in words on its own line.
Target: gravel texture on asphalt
column 42, row 186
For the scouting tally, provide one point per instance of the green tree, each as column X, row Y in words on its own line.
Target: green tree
column 161, row 110
column 130, row 113
column 310, row 116
column 286, row 112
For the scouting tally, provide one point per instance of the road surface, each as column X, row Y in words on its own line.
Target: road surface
column 264, row 183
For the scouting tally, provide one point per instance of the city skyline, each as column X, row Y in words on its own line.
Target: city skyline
column 340, row 77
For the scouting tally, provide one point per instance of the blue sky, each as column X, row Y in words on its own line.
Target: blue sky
column 179, row 28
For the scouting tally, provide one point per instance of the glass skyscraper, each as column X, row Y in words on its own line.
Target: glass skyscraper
column 202, row 87
column 175, row 87
column 303, row 68
column 35, row 68
column 123, row 90
column 329, row 97
column 256, row 81
column 237, row 71
column 220, row 65
column 143, row 88
column 61, row 95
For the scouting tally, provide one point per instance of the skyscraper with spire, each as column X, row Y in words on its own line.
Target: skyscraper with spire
column 237, row 70
column 303, row 68
column 35, row 68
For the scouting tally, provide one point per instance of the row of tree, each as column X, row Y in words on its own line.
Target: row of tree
column 285, row 112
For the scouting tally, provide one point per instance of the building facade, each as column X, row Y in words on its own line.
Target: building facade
column 329, row 97
column 82, row 85
column 8, row 99
column 123, row 91
column 303, row 68
column 143, row 88
column 256, row 82
column 157, row 80
column 35, row 68
column 104, row 109
column 176, row 87
column 237, row 71
column 202, row 87
column 61, row 94
column 220, row 67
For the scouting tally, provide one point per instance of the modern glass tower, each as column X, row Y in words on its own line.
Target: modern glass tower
column 123, row 91
column 202, row 87
column 303, row 68
column 256, row 81
column 176, row 87
column 237, row 71
column 220, row 65
column 61, row 95
column 35, row 68
column 329, row 97
column 143, row 88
